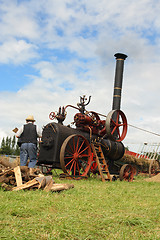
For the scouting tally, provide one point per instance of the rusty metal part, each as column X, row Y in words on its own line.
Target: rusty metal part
column 153, row 167
column 52, row 115
column 127, row 173
column 76, row 156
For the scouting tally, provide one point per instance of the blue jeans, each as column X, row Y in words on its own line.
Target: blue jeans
column 28, row 150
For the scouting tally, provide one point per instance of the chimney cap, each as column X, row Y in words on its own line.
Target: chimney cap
column 120, row 56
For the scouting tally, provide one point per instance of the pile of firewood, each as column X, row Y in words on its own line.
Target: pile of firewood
column 14, row 178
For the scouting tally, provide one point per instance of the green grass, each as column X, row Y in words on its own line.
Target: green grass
column 91, row 210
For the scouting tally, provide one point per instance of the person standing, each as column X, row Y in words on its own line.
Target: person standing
column 28, row 134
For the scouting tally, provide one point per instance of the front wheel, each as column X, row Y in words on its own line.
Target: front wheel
column 127, row 173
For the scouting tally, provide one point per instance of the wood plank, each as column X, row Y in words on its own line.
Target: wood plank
column 26, row 185
column 18, row 176
column 49, row 185
column 60, row 187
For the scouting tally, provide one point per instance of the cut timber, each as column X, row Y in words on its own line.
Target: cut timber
column 60, row 187
column 5, row 175
column 28, row 184
column 6, row 187
column 4, row 161
column 49, row 185
column 17, row 172
column 42, row 181
column 7, row 171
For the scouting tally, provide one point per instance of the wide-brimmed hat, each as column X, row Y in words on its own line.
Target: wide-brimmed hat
column 30, row 118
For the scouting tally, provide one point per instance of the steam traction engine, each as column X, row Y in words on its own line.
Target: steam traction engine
column 92, row 145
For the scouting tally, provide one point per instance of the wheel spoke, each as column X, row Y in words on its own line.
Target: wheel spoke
column 114, row 129
column 68, row 157
column 75, row 168
column 84, row 155
column 71, row 167
column 73, row 145
column 78, row 168
column 122, row 124
column 69, row 162
column 117, row 120
column 118, row 133
column 84, row 150
column 69, row 144
column 112, row 121
column 77, row 144
column 70, row 153
column 81, row 146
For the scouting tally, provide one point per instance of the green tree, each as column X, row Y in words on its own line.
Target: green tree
column 3, row 145
column 9, row 146
column 13, row 142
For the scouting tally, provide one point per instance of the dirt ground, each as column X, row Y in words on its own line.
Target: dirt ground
column 155, row 178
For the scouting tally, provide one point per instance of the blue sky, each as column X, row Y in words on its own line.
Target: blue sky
column 52, row 52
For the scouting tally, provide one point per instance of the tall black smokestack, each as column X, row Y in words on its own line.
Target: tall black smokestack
column 120, row 57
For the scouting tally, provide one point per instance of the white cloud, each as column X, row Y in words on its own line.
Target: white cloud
column 17, row 21
column 17, row 52
column 90, row 30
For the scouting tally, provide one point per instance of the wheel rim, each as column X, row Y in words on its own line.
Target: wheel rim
column 152, row 168
column 116, row 125
column 76, row 156
column 127, row 173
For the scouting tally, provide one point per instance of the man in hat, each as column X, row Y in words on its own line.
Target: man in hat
column 28, row 135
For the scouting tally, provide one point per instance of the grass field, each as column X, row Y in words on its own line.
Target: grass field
column 91, row 210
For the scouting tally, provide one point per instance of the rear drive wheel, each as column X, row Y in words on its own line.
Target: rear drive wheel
column 76, row 156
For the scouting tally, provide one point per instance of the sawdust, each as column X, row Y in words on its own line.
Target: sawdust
column 156, row 178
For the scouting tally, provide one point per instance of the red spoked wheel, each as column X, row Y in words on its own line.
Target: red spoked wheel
column 116, row 125
column 76, row 156
column 127, row 173
column 52, row 115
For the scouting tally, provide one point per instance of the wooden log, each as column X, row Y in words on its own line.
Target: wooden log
column 49, row 185
column 60, row 187
column 26, row 185
column 6, row 187
column 4, row 176
column 5, row 162
column 17, row 172
column 41, row 181
column 6, row 171
column 4, row 179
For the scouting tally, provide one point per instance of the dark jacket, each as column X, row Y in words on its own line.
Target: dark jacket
column 29, row 134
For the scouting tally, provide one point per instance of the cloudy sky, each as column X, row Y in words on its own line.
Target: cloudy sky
column 53, row 51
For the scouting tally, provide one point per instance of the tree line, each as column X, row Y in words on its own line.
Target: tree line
column 9, row 146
